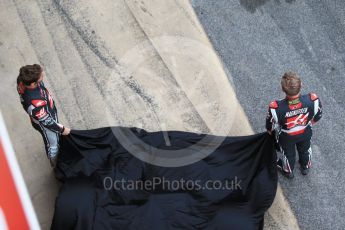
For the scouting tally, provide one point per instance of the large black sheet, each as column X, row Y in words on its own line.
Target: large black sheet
column 85, row 200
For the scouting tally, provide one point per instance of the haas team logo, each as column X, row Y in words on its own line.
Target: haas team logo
column 298, row 120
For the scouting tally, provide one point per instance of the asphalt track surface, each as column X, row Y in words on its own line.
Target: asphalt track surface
column 104, row 67
column 258, row 40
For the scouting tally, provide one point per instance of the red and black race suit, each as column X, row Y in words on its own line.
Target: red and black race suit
column 293, row 117
column 40, row 106
column 291, row 121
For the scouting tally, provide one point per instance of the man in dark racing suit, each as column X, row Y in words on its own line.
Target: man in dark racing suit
column 291, row 120
column 40, row 106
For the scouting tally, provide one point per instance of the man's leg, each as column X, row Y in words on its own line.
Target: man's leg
column 53, row 148
column 51, row 142
column 304, row 154
column 39, row 129
column 288, row 158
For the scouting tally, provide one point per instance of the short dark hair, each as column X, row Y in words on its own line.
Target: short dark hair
column 29, row 74
column 291, row 83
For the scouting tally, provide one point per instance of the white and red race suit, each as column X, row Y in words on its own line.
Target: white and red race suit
column 291, row 120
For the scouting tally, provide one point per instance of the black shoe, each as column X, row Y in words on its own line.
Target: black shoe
column 304, row 170
column 288, row 175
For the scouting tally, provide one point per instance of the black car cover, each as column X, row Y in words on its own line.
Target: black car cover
column 104, row 186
